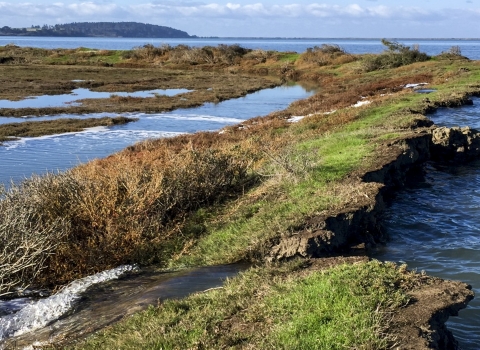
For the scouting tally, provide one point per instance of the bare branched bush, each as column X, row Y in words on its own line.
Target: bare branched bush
column 455, row 50
column 27, row 239
column 453, row 53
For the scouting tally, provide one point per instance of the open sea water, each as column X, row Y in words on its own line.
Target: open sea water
column 470, row 48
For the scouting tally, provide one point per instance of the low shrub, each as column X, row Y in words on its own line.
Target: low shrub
column 111, row 212
column 322, row 55
column 184, row 54
column 396, row 55
column 453, row 53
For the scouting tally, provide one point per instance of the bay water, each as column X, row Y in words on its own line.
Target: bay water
column 469, row 47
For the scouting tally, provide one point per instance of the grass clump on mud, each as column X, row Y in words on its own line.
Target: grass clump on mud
column 278, row 307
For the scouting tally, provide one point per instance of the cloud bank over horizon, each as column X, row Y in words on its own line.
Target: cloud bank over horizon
column 258, row 19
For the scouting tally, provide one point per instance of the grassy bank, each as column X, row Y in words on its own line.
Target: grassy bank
column 279, row 307
column 214, row 198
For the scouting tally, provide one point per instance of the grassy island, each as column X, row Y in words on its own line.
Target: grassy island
column 259, row 192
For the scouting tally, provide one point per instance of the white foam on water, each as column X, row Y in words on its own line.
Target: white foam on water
column 9, row 145
column 195, row 117
column 96, row 132
column 40, row 313
column 136, row 135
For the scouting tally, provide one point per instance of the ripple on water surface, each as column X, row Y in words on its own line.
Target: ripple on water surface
column 76, row 311
column 21, row 159
column 435, row 226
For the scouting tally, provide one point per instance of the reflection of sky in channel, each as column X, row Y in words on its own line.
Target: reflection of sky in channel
column 38, row 155
column 45, row 101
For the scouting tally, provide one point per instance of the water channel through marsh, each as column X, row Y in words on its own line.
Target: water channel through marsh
column 435, row 226
column 38, row 155
column 74, row 313
column 96, row 301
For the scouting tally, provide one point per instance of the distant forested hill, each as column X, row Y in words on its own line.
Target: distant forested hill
column 99, row 29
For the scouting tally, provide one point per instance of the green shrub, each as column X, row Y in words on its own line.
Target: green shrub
column 396, row 55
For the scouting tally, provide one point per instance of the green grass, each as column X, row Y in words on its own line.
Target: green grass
column 286, row 307
column 317, row 163
column 310, row 312
column 288, row 57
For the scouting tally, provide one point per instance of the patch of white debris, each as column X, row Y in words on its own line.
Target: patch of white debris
column 296, row 118
column 361, row 103
column 413, row 86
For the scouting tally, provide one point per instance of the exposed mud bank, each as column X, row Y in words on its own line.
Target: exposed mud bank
column 359, row 222
column 421, row 325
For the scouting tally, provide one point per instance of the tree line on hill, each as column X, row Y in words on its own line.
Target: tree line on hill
column 98, row 29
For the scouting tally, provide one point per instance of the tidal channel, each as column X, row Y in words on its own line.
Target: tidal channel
column 21, row 159
column 434, row 226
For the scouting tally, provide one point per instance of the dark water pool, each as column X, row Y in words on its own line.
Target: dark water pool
column 435, row 226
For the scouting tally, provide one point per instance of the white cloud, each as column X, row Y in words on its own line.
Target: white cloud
column 186, row 8
column 255, row 19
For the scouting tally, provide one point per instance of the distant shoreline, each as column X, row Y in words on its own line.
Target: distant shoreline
column 194, row 37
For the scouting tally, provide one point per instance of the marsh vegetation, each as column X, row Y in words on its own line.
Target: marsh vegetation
column 215, row 198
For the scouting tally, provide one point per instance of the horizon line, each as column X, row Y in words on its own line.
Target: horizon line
column 322, row 38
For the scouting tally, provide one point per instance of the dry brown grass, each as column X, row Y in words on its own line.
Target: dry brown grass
column 124, row 209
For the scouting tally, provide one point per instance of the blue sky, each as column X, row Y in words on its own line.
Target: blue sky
column 266, row 18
